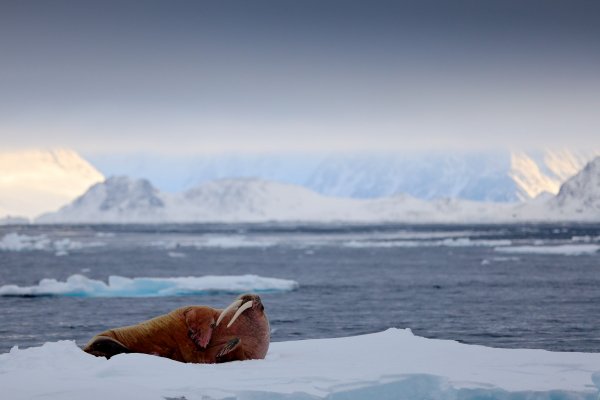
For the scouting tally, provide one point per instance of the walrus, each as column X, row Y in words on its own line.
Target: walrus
column 194, row 334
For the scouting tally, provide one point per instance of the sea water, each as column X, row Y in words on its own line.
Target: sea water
column 516, row 286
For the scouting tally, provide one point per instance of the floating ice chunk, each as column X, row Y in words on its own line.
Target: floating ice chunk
column 216, row 241
column 391, row 364
column 118, row 286
column 565, row 249
column 488, row 261
column 448, row 242
column 16, row 242
column 585, row 239
column 105, row 234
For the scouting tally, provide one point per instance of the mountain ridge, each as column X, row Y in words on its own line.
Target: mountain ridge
column 36, row 181
column 122, row 199
column 500, row 176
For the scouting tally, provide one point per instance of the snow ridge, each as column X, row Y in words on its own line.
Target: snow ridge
column 391, row 364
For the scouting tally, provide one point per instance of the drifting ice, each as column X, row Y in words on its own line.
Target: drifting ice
column 118, row 286
column 565, row 249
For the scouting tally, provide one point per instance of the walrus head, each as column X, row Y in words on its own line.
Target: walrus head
column 245, row 325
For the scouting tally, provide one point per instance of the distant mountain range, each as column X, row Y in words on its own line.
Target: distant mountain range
column 500, row 176
column 126, row 200
column 37, row 181
column 355, row 187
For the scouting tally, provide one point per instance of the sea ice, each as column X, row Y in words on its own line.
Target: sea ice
column 448, row 242
column 564, row 249
column 118, row 286
column 61, row 247
column 393, row 364
column 214, row 241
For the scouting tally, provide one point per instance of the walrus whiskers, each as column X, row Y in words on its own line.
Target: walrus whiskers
column 239, row 312
column 230, row 307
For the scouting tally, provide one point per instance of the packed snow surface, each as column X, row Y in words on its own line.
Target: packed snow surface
column 393, row 364
column 118, row 286
column 565, row 249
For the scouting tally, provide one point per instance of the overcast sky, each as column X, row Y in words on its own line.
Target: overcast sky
column 244, row 76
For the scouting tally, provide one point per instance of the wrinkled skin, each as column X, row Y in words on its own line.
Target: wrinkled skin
column 189, row 334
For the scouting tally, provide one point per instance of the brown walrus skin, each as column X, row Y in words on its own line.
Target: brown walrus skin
column 193, row 334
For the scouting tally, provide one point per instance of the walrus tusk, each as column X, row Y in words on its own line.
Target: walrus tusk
column 239, row 312
column 230, row 307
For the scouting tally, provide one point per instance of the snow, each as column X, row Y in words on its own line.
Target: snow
column 530, row 180
column 18, row 242
column 579, row 197
column 124, row 200
column 34, row 182
column 565, row 249
column 119, row 286
column 475, row 175
column 390, row 364
column 37, row 181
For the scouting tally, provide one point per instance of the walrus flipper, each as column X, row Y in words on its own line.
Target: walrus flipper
column 104, row 346
column 230, row 346
column 200, row 326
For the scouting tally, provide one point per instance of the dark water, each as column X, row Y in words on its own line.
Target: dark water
column 353, row 280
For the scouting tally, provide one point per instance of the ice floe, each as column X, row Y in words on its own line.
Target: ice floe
column 118, row 286
column 564, row 249
column 61, row 247
column 390, row 364
column 448, row 242
column 215, row 241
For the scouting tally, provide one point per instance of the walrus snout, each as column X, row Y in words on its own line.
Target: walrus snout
column 254, row 298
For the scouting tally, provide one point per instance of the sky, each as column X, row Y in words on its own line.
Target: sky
column 194, row 77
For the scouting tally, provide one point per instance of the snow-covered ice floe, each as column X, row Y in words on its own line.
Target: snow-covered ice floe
column 565, row 249
column 393, row 364
column 118, row 286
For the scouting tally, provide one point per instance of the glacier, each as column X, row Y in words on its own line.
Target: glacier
column 393, row 364
column 119, row 286
column 498, row 176
column 125, row 200
column 37, row 181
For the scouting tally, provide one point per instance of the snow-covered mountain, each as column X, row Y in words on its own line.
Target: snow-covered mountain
column 118, row 199
column 37, row 181
column 500, row 176
column 125, row 200
column 579, row 197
